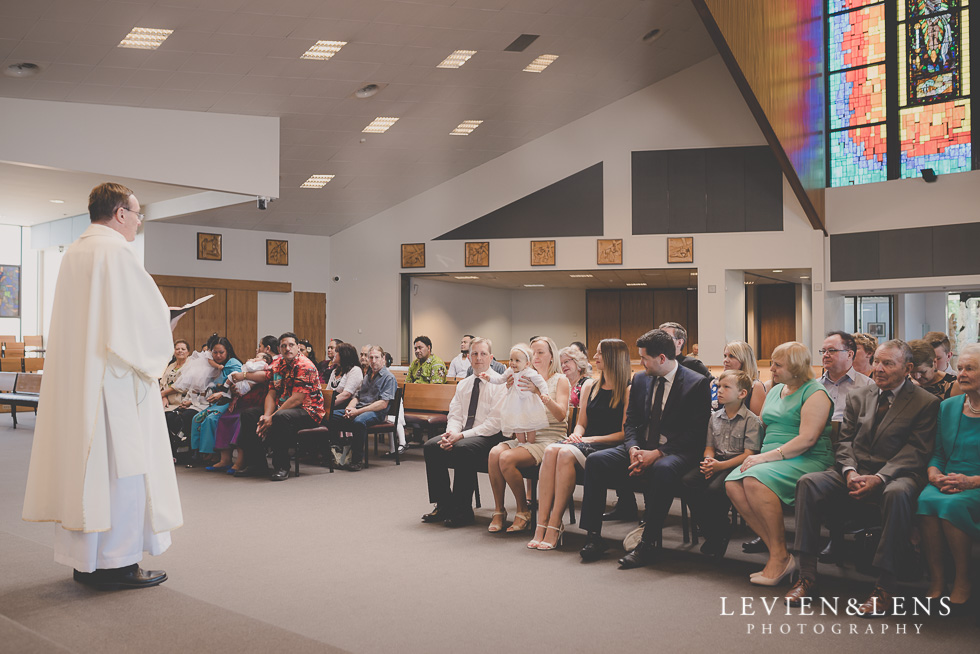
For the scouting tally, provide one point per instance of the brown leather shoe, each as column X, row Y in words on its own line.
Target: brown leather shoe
column 878, row 605
column 802, row 588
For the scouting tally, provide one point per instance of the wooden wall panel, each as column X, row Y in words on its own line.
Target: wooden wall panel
column 243, row 322
column 178, row 296
column 775, row 316
column 210, row 317
column 669, row 305
column 310, row 319
column 636, row 317
column 692, row 321
column 602, row 316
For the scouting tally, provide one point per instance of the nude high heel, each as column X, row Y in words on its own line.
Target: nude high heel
column 788, row 571
column 533, row 544
column 544, row 547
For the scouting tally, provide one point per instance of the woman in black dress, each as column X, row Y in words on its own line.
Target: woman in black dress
column 599, row 426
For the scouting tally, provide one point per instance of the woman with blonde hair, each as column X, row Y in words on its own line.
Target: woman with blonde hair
column 599, row 426
column 739, row 356
column 507, row 458
column 797, row 415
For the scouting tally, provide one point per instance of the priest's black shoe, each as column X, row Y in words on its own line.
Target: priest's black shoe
column 620, row 512
column 754, row 546
column 280, row 474
column 460, row 520
column 131, row 576
column 594, row 548
column 643, row 554
column 436, row 515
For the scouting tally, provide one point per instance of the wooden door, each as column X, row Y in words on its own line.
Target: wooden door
column 310, row 319
column 178, row 296
column 775, row 312
column 636, row 317
column 210, row 317
column 243, row 322
column 602, row 316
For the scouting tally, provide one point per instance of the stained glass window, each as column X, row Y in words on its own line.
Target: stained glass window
column 928, row 100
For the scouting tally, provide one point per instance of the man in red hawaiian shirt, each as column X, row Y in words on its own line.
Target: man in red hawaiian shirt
column 294, row 402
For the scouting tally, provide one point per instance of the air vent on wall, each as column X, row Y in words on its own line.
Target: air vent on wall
column 521, row 42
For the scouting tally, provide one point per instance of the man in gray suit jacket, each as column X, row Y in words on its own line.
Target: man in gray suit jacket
column 886, row 440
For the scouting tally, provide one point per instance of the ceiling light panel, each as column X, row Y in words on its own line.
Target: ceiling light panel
column 457, row 59
column 145, row 38
column 316, row 181
column 466, row 277
column 466, row 128
column 582, row 276
column 533, row 285
column 323, row 50
column 539, row 64
column 636, row 284
column 380, row 125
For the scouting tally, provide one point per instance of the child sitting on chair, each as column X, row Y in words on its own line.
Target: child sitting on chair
column 522, row 414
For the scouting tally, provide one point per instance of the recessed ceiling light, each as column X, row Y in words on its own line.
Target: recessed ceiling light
column 457, row 59
column 380, row 125
column 316, row 181
column 466, row 128
column 145, row 38
column 25, row 69
column 749, row 283
column 533, row 285
column 540, row 63
column 323, row 50
column 695, row 273
column 57, row 201
column 367, row 91
column 804, row 277
column 777, row 271
column 580, row 275
column 467, row 277
column 637, row 284
column 652, row 35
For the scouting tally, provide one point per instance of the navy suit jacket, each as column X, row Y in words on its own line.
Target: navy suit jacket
column 684, row 419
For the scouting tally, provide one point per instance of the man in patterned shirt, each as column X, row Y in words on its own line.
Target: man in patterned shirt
column 427, row 367
column 294, row 402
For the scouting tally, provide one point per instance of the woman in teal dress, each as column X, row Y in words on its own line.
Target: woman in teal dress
column 796, row 415
column 949, row 507
column 205, row 423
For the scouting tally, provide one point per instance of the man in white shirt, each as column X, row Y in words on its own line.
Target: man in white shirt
column 839, row 376
column 472, row 429
column 461, row 362
column 101, row 465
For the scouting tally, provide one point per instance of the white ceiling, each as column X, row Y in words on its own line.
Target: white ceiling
column 242, row 57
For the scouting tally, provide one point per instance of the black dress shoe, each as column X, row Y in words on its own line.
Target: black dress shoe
column 250, row 471
column 280, row 474
column 594, row 548
column 623, row 513
column 131, row 576
column 754, row 546
column 354, row 467
column 463, row 520
column 715, row 547
column 436, row 515
column 643, row 554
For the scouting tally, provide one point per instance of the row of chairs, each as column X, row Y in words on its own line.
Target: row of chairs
column 21, row 364
column 30, row 346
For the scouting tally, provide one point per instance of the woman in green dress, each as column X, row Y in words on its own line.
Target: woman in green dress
column 796, row 415
column 949, row 507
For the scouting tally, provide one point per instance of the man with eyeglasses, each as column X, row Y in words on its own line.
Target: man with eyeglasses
column 101, row 465
column 839, row 376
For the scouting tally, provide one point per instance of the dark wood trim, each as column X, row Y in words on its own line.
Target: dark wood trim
column 229, row 284
column 809, row 208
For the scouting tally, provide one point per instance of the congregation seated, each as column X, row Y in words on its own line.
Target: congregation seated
column 599, row 427
column 345, row 375
column 865, row 354
column 427, row 368
column 885, row 441
column 738, row 355
column 293, row 402
column 839, row 376
column 797, row 441
column 679, row 334
column 575, row 367
column 734, row 434
column 377, row 389
column 472, row 429
column 205, row 422
column 176, row 403
column 326, row 366
column 665, row 429
column 229, row 424
column 949, row 506
column 924, row 372
column 461, row 363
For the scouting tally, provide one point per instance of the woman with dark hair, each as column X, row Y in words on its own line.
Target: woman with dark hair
column 325, row 367
column 206, row 422
column 229, row 423
column 346, row 376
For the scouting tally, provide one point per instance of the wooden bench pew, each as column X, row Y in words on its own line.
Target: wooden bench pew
column 24, row 391
column 427, row 406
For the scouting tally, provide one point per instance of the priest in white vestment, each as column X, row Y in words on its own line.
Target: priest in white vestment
column 101, row 466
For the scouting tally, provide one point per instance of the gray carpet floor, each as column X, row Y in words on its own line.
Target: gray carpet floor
column 340, row 562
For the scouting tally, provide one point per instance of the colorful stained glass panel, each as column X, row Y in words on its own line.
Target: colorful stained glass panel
column 857, row 38
column 919, row 8
column 937, row 136
column 858, row 156
column 933, row 58
column 833, row 6
column 857, row 97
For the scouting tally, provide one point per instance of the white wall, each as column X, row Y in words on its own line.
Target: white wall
column 699, row 107
column 558, row 313
column 445, row 311
column 15, row 250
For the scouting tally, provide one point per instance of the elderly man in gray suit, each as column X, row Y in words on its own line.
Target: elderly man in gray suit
column 886, row 440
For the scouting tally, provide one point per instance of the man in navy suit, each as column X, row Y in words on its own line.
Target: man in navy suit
column 666, row 424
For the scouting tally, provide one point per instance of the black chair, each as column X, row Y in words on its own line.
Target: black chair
column 387, row 427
